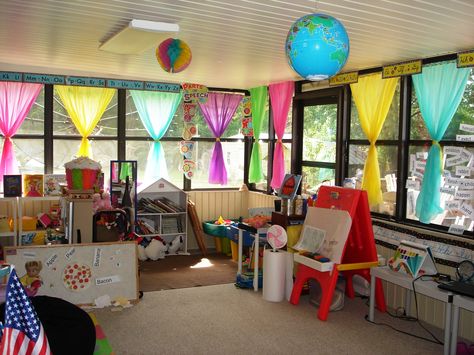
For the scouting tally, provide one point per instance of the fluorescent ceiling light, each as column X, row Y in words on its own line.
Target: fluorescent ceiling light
column 138, row 36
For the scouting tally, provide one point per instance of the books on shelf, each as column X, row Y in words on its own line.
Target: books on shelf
column 12, row 185
column 159, row 205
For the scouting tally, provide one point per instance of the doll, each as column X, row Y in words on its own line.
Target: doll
column 31, row 281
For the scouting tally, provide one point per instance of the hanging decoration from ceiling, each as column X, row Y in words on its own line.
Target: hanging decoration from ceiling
column 173, row 55
column 317, row 46
column 247, row 128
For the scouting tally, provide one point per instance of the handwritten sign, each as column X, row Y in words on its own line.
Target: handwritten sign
column 70, row 253
column 465, row 137
column 422, row 155
column 448, row 190
column 418, row 175
column 9, row 76
column 51, row 260
column 463, row 170
column 467, row 209
column 30, row 255
column 450, row 150
column 81, row 81
column 420, row 165
column 413, row 184
column 97, row 257
column 400, row 69
column 457, row 160
column 43, row 79
column 100, row 281
column 194, row 92
column 125, row 84
column 456, row 229
column 464, row 195
column 344, row 78
column 465, row 59
column 452, row 205
column 466, row 127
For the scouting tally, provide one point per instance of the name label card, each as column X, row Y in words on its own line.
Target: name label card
column 413, row 184
column 465, row 137
column 455, row 229
column 450, row 150
column 465, row 59
column 80, row 81
column 9, row 76
column 466, row 127
column 125, row 84
column 405, row 68
column 344, row 78
column 44, row 79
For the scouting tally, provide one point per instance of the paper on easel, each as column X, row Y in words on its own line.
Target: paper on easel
column 413, row 259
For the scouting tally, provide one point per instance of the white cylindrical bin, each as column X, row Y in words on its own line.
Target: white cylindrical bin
column 274, row 275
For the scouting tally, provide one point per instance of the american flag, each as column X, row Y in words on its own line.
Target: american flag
column 23, row 332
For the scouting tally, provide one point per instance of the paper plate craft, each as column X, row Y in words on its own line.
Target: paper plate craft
column 186, row 148
column 188, row 168
column 77, row 277
column 189, row 131
column 189, row 111
column 173, row 55
column 277, row 237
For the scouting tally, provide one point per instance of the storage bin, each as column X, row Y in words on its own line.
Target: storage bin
column 247, row 239
column 216, row 230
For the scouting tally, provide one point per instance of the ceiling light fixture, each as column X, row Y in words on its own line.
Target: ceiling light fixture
column 138, row 36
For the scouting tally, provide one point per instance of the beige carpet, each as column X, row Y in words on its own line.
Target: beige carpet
column 221, row 319
column 175, row 272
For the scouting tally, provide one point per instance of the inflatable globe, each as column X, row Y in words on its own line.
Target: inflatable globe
column 317, row 46
column 173, row 55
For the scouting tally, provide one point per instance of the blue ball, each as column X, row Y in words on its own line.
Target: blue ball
column 317, row 46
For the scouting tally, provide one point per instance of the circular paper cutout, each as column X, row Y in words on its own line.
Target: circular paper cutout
column 77, row 277
column 277, row 237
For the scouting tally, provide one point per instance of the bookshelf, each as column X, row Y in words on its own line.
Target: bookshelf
column 162, row 212
column 8, row 209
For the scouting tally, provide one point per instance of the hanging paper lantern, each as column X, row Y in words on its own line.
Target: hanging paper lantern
column 173, row 55
column 317, row 46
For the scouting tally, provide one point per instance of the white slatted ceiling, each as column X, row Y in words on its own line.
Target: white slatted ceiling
column 235, row 43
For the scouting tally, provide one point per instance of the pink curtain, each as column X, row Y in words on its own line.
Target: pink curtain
column 280, row 96
column 16, row 100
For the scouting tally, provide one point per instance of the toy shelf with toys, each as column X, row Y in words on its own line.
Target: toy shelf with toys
column 161, row 221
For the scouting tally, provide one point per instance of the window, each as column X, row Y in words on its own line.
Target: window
column 457, row 162
column 319, row 134
column 387, row 153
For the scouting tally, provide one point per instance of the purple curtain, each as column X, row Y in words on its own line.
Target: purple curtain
column 16, row 100
column 218, row 111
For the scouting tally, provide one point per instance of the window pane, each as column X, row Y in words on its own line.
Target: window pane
column 464, row 114
column 138, row 150
column 289, row 123
column 265, row 157
column 62, row 123
column 387, row 156
column 34, row 121
column 314, row 177
column 66, row 150
column 319, row 133
column 390, row 126
column 30, row 155
column 234, row 162
column 453, row 212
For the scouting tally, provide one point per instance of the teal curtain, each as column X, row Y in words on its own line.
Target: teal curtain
column 156, row 110
column 258, row 99
column 439, row 90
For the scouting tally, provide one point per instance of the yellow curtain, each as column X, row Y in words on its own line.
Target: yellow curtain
column 373, row 96
column 85, row 105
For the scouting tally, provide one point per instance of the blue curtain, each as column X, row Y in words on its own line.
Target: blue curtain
column 156, row 110
column 439, row 90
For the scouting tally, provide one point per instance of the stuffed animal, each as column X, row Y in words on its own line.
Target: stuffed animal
column 175, row 244
column 141, row 253
column 101, row 202
column 156, row 250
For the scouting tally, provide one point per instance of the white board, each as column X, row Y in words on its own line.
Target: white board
column 80, row 273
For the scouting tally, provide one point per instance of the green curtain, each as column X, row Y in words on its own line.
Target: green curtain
column 373, row 97
column 258, row 99
column 439, row 90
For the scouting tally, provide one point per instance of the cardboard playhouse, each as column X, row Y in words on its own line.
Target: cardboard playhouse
column 339, row 227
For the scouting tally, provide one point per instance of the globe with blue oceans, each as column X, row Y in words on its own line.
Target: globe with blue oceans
column 317, row 46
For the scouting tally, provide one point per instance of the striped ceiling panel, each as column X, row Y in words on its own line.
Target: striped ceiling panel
column 235, row 43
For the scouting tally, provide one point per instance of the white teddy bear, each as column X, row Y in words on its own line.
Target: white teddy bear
column 156, row 250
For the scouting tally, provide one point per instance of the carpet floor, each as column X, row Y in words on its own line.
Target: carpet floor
column 175, row 272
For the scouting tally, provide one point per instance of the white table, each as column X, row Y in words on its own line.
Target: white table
column 256, row 237
column 459, row 302
column 427, row 288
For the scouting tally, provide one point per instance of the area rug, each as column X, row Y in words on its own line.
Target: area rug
column 176, row 272
column 102, row 345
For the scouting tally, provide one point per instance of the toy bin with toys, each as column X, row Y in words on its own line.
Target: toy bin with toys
column 218, row 229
